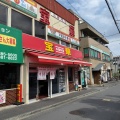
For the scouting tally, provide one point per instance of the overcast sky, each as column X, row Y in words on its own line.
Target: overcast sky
column 97, row 14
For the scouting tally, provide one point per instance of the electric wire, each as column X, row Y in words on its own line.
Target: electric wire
column 112, row 15
column 113, row 9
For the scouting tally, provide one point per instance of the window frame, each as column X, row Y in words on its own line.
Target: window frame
column 4, row 22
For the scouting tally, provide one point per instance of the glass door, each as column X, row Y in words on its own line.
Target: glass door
column 32, row 85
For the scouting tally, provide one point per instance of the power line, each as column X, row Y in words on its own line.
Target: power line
column 113, row 9
column 74, row 8
column 79, row 15
column 112, row 15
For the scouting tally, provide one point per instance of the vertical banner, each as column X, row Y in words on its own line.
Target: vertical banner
column 19, row 92
column 52, row 73
column 42, row 72
column 2, row 97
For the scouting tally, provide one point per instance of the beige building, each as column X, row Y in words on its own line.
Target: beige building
column 94, row 51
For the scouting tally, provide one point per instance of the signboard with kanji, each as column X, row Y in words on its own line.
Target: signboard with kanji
column 45, row 15
column 60, row 35
column 35, row 43
column 10, row 45
column 27, row 6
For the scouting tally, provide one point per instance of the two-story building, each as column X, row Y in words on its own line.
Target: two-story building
column 39, row 49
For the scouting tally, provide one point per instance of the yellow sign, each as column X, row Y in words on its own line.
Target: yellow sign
column 31, row 2
column 67, row 50
column 49, row 46
column 7, row 40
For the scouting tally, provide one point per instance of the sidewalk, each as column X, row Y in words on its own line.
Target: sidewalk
column 21, row 111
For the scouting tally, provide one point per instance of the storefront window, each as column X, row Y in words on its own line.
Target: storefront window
column 3, row 14
column 21, row 22
column 58, row 84
column 39, row 30
column 9, row 75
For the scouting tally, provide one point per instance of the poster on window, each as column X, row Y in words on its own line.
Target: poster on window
column 2, row 97
column 41, row 75
column 52, row 73
column 43, row 72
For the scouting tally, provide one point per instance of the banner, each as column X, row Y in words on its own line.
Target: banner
column 52, row 73
column 2, row 97
column 43, row 72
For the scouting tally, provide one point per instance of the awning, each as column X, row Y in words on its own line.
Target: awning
column 98, row 67
column 58, row 60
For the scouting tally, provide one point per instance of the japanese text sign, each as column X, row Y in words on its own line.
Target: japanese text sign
column 35, row 43
column 63, row 36
column 44, row 16
column 71, row 31
column 27, row 6
column 51, row 47
column 10, row 45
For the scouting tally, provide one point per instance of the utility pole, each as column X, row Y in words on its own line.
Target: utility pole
column 112, row 15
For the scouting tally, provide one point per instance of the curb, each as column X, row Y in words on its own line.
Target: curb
column 25, row 115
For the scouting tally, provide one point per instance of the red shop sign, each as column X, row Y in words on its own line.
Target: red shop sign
column 45, row 15
column 34, row 43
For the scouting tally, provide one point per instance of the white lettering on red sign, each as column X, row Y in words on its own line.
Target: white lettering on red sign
column 59, row 50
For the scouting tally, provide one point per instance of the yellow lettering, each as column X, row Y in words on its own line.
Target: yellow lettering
column 7, row 40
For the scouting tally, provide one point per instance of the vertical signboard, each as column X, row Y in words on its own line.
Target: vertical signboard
column 10, row 45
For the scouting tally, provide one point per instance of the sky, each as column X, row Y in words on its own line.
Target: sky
column 97, row 14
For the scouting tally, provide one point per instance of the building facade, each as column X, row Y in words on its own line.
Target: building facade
column 95, row 51
column 42, row 50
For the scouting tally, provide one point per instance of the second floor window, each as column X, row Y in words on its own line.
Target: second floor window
column 105, row 57
column 91, row 53
column 39, row 30
column 75, row 47
column 65, row 44
column 3, row 14
column 21, row 22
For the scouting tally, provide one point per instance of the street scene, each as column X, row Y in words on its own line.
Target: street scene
column 94, row 103
column 102, row 105
column 59, row 59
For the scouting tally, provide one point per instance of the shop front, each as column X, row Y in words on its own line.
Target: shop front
column 46, row 80
column 11, row 58
column 48, row 67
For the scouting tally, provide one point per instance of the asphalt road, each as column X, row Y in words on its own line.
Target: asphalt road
column 104, row 105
